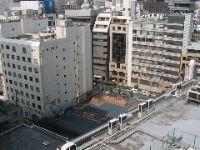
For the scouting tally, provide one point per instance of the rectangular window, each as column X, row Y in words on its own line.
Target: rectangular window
column 37, row 89
column 18, row 58
column 7, row 47
column 19, row 67
column 24, row 50
column 14, row 49
column 23, row 59
column 19, row 76
column 32, row 96
column 37, row 80
column 25, row 77
column 24, row 68
column 39, row 107
column 29, row 69
column 36, row 70
column 38, row 98
column 13, row 56
column 29, row 60
column 31, row 79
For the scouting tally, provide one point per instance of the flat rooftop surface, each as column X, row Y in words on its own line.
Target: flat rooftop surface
column 180, row 121
column 30, row 138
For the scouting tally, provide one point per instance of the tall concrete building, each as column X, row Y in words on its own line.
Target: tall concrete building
column 157, row 51
column 101, row 47
column 46, row 72
column 120, row 50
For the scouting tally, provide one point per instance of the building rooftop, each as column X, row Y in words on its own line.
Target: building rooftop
column 26, row 137
column 46, row 35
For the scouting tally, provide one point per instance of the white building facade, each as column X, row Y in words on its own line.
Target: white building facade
column 46, row 74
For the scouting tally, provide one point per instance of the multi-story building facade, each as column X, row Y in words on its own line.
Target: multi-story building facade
column 46, row 72
column 101, row 47
column 120, row 50
column 157, row 51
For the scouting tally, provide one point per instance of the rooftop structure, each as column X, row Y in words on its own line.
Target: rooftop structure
column 26, row 137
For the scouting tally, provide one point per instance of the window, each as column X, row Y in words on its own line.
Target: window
column 2, row 46
column 39, row 107
column 7, row 47
column 10, row 81
column 19, row 67
column 37, row 80
column 29, row 69
column 9, row 73
column 14, row 49
column 15, row 83
column 22, row 101
column 13, row 56
column 28, row 103
column 21, row 93
column 29, row 60
column 20, row 84
column 31, row 79
column 23, row 59
column 31, row 87
column 7, row 56
column 18, row 58
column 14, row 74
column 36, row 70
column 35, row 61
column 13, row 66
column 26, row 86
column 19, row 76
column 25, row 77
column 32, row 96
column 27, row 94
column 24, row 50
column 37, row 89
column 63, row 58
column 38, row 98
column 24, row 68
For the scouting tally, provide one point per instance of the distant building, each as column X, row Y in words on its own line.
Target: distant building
column 46, row 72
column 183, row 6
column 101, row 47
column 154, row 6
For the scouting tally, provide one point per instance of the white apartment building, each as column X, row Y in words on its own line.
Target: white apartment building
column 47, row 71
